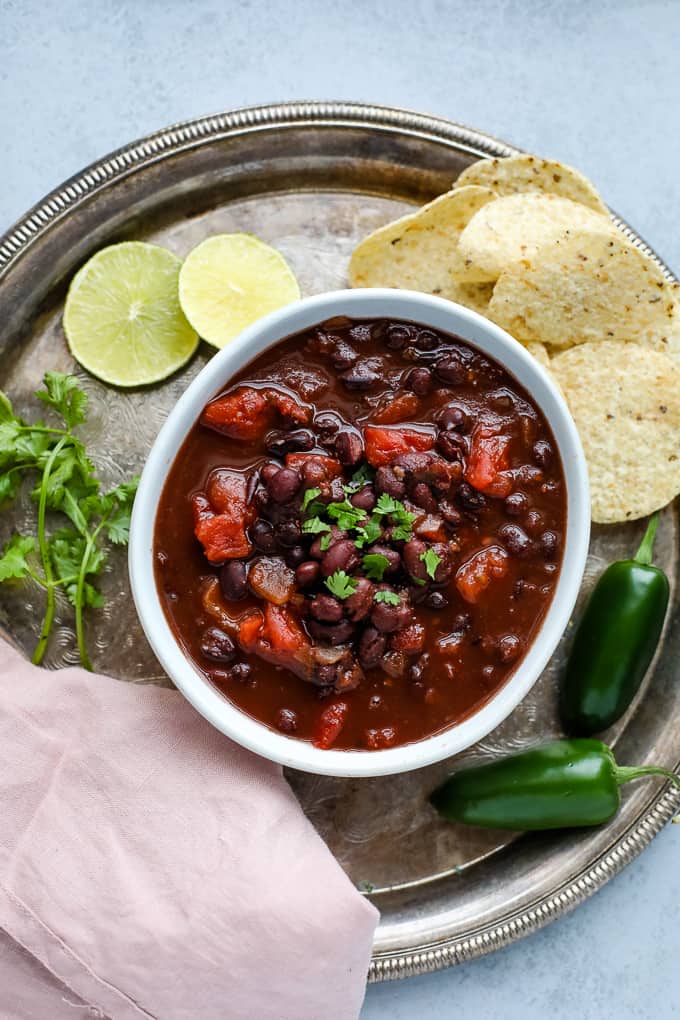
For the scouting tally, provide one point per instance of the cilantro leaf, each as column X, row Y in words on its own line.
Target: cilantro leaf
column 64, row 395
column 13, row 563
column 375, row 565
column 118, row 523
column 324, row 542
column 402, row 532
column 309, row 495
column 369, row 533
column 346, row 515
column 341, row 584
column 387, row 504
column 431, row 561
column 6, row 410
column 390, row 598
column 315, row 526
column 69, row 554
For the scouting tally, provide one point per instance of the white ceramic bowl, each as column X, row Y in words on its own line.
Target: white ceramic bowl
column 389, row 304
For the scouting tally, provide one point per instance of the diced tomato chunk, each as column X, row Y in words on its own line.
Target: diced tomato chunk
column 383, row 444
column 331, row 721
column 223, row 533
column 249, row 628
column 401, row 408
column 331, row 466
column 488, row 460
column 246, row 413
column 475, row 575
column 282, row 630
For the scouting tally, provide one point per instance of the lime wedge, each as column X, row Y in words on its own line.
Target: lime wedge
column 123, row 320
column 230, row 280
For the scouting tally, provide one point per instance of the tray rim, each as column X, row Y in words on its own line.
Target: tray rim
column 195, row 132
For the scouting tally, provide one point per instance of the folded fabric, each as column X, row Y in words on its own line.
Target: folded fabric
column 149, row 867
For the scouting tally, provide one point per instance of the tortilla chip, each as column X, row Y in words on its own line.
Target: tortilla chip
column 625, row 400
column 473, row 295
column 529, row 173
column 584, row 287
column 419, row 251
column 539, row 352
column 509, row 230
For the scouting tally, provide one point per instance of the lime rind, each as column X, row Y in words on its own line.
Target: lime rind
column 123, row 320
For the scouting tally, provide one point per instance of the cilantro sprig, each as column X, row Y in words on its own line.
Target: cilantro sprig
column 341, row 584
column 431, row 561
column 375, row 565
column 72, row 556
column 390, row 598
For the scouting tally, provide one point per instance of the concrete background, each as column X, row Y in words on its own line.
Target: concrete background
column 593, row 83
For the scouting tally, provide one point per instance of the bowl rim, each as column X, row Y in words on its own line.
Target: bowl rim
column 427, row 310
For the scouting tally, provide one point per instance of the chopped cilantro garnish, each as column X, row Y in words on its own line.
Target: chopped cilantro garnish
column 309, row 495
column 401, row 518
column 375, row 565
column 341, row 584
column 431, row 561
column 364, row 474
column 324, row 542
column 314, row 526
column 402, row 532
column 388, row 505
column 346, row 515
column 369, row 533
column 389, row 597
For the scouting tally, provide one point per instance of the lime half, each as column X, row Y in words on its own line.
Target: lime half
column 230, row 280
column 123, row 320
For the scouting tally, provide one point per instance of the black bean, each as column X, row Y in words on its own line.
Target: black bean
column 509, row 648
column 326, row 609
column 388, row 619
column 529, row 475
column 267, row 471
column 388, row 482
column 313, row 474
column 364, row 499
column 516, row 540
column 284, row 484
column 307, row 573
column 295, row 556
column 436, row 600
column 427, row 340
column 361, row 334
column 419, row 381
column 327, row 423
column 331, row 633
column 349, row 448
column 421, row 494
column 286, row 720
column 417, row 464
column 452, row 417
column 360, row 602
column 412, row 552
column 516, row 504
column 216, row 644
column 543, row 453
column 469, row 499
column 360, row 377
column 390, row 554
column 449, row 512
column 262, row 534
column 451, row 369
column 343, row 356
column 288, row 534
column 452, row 445
column 549, row 543
column 342, row 555
column 394, row 664
column 372, row 647
column 533, row 521
column 240, row 671
column 233, row 580
column 279, row 442
column 397, row 337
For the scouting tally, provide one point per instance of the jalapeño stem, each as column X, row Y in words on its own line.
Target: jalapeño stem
column 644, row 554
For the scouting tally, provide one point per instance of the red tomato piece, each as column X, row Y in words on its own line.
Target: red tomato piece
column 489, row 458
column 383, row 444
column 402, row 408
column 475, row 575
column 282, row 630
column 223, row 533
column 246, row 413
column 331, row 466
column 249, row 628
column 331, row 721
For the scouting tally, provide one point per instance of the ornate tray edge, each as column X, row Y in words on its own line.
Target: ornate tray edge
column 193, row 133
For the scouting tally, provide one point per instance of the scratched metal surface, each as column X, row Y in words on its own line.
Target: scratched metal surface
column 313, row 180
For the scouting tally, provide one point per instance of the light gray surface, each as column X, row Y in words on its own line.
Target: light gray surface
column 594, row 84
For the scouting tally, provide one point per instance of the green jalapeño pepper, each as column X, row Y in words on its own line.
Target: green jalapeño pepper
column 564, row 784
column 615, row 641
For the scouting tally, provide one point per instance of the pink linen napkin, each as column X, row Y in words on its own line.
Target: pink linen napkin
column 149, row 867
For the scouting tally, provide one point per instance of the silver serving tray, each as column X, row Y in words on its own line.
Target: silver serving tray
column 313, row 178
